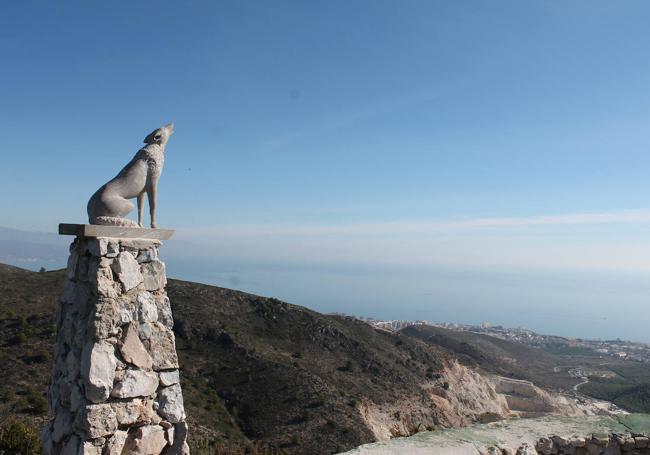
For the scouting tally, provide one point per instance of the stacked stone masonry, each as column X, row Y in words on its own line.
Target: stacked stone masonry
column 115, row 382
column 596, row 444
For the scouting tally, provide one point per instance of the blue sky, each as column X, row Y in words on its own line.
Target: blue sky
column 469, row 134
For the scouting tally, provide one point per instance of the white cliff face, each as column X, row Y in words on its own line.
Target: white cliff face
column 115, row 380
column 468, row 396
column 463, row 396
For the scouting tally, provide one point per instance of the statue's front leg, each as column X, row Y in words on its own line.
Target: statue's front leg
column 153, row 196
column 140, row 208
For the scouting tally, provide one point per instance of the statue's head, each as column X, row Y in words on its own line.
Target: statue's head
column 160, row 135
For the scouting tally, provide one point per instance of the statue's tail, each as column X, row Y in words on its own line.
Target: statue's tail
column 113, row 221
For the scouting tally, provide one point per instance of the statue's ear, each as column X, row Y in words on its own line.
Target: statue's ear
column 153, row 136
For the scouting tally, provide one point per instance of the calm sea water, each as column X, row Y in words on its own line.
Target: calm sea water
column 579, row 304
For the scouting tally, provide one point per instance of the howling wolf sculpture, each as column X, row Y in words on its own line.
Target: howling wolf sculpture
column 110, row 204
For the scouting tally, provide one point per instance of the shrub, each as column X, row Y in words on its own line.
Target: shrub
column 38, row 404
column 21, row 338
column 38, row 356
column 349, row 366
column 206, row 447
column 201, row 447
column 18, row 438
column 432, row 375
column 32, row 402
column 316, row 403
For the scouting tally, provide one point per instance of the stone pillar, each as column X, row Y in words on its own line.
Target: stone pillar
column 115, row 381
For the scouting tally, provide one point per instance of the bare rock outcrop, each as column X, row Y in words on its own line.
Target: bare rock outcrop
column 525, row 399
column 462, row 396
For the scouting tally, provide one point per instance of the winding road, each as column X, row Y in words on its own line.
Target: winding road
column 584, row 381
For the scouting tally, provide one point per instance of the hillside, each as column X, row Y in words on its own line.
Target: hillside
column 629, row 386
column 258, row 372
column 257, row 369
column 494, row 355
column 287, row 375
column 624, row 383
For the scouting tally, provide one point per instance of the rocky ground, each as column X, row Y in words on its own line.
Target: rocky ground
column 611, row 435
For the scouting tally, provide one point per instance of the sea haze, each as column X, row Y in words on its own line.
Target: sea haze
column 575, row 304
column 588, row 304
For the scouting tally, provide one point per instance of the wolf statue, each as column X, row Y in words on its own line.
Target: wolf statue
column 110, row 204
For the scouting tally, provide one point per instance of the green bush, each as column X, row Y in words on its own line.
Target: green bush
column 38, row 356
column 20, row 338
column 32, row 402
column 18, row 438
column 316, row 403
column 201, row 447
column 431, row 375
column 206, row 447
column 348, row 367
column 307, row 415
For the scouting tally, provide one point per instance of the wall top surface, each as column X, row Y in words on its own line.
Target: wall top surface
column 94, row 230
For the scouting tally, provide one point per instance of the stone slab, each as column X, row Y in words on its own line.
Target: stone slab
column 96, row 230
column 475, row 439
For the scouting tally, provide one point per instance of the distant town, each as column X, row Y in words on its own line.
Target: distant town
column 626, row 350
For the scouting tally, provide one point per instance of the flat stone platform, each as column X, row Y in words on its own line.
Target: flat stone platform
column 476, row 439
column 96, row 230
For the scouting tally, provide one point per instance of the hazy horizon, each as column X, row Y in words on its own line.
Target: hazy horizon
column 569, row 303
